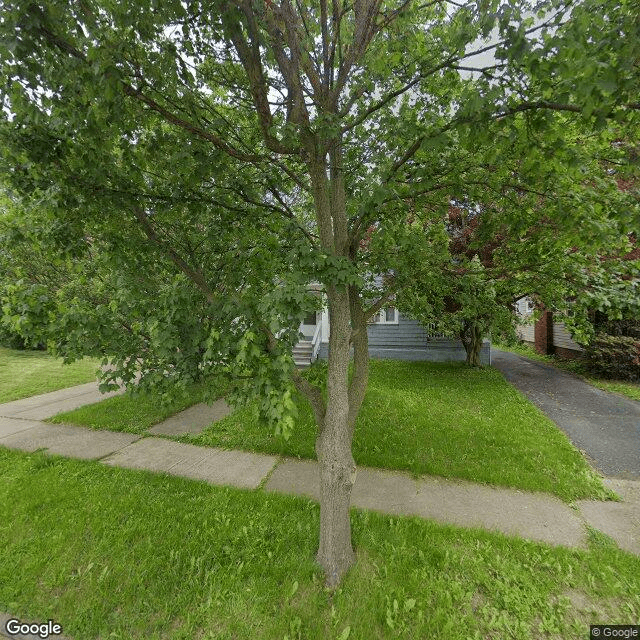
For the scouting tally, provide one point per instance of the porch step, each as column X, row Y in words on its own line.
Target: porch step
column 302, row 351
column 302, row 354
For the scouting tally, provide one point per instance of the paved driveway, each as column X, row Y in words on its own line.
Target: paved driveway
column 604, row 425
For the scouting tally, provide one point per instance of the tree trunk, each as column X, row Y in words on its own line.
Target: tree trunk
column 333, row 448
column 333, row 445
column 471, row 336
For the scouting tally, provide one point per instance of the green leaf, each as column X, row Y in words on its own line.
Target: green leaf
column 345, row 633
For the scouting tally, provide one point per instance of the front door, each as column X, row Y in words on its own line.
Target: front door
column 308, row 326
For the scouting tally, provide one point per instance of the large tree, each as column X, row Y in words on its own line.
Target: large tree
column 207, row 160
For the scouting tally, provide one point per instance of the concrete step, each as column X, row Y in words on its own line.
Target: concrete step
column 302, row 353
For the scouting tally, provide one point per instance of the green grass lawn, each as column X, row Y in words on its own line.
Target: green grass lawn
column 129, row 413
column 116, row 553
column 28, row 373
column 440, row 419
column 629, row 389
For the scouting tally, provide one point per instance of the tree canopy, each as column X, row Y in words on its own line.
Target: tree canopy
column 200, row 163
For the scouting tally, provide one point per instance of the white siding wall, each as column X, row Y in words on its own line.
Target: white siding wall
column 562, row 338
column 526, row 332
column 522, row 306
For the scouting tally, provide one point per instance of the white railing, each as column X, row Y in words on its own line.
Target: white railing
column 315, row 341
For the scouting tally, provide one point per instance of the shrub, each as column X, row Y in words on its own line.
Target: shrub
column 10, row 339
column 627, row 326
column 614, row 357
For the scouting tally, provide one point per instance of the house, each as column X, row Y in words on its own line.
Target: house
column 548, row 335
column 391, row 336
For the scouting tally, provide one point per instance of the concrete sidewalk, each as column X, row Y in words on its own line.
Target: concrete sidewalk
column 49, row 404
column 535, row 516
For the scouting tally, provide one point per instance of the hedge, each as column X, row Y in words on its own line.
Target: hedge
column 615, row 357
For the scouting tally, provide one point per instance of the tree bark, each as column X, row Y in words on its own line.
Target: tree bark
column 360, row 341
column 471, row 336
column 322, row 154
column 333, row 445
column 333, row 448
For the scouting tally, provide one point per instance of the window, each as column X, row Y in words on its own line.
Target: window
column 388, row 315
column 310, row 318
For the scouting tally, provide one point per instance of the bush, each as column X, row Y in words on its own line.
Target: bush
column 628, row 326
column 13, row 340
column 615, row 357
column 10, row 339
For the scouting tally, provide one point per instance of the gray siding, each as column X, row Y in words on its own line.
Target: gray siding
column 562, row 338
column 526, row 332
column 438, row 350
column 407, row 333
column 409, row 340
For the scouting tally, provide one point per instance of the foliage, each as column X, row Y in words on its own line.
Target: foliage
column 17, row 259
column 196, row 165
column 613, row 291
column 11, row 339
column 626, row 326
column 139, row 118
column 615, row 357
column 493, row 264
column 140, row 318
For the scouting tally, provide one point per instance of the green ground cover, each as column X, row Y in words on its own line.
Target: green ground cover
column 132, row 413
column 28, row 373
column 577, row 367
column 116, row 553
column 429, row 418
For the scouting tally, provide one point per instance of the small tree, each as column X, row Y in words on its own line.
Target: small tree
column 492, row 263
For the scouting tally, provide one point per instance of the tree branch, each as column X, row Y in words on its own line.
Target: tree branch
column 129, row 90
column 312, row 394
column 360, row 340
column 195, row 275
column 364, row 12
column 382, row 300
column 250, row 57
